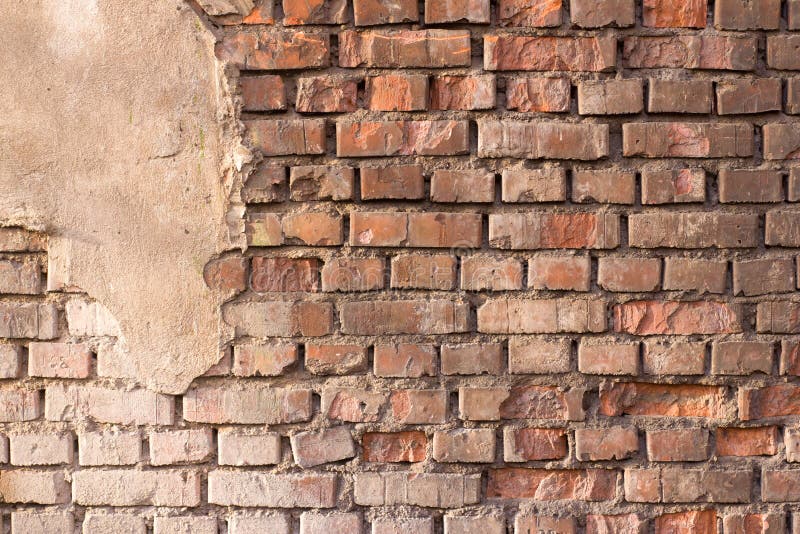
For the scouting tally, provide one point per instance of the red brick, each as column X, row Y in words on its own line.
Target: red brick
column 674, row 13
column 754, row 523
column 608, row 524
column 782, row 52
column 694, row 521
column 663, row 317
column 394, row 446
column 676, row 358
column 780, row 485
column 548, row 95
column 374, row 12
column 479, row 273
column 321, row 182
column 600, row 444
column 286, row 137
column 443, row 11
column 610, row 97
column 352, row 405
column 254, row 405
column 629, row 274
column 523, row 402
column 353, row 274
column 679, row 484
column 715, row 52
column 791, row 438
column 474, row 445
column 782, row 229
column 790, row 357
column 540, row 140
column 741, row 185
column 472, row 359
column 642, row 485
column 314, row 12
column 779, row 317
column 20, row 277
column 335, row 359
column 227, row 275
column 469, row 185
column 314, row 228
column 395, row 182
column 405, row 360
column 677, row 445
column 541, row 316
column 687, row 140
column 528, row 524
column 419, row 406
column 548, row 485
column 534, row 185
column 317, row 447
column 610, row 187
column 747, row 15
column 693, row 230
column 534, row 230
column 284, row 274
column 403, row 317
column 410, row 271
column 326, row 94
column 279, row 318
column 570, row 273
column 764, row 276
column 680, row 96
column 589, row 54
column 263, row 230
column 397, row 92
column 453, row 230
column 526, row 444
column 769, row 401
column 404, row 48
column 752, row 441
column 599, row 13
column 687, row 274
column 781, row 141
column 793, row 14
column 531, row 13
column 536, row 356
column 463, row 92
column 275, row 51
column 597, row 358
column 754, row 95
column 263, row 93
column 678, row 186
column 59, row 360
column 387, row 229
column 402, row 138
column 663, row 400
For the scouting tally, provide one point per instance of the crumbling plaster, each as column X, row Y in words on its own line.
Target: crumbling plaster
column 117, row 139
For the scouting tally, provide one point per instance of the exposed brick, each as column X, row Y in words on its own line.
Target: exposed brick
column 442, row 11
column 394, row 446
column 610, row 97
column 314, row 12
column 228, row 275
column 400, row 525
column 526, row 444
column 258, row 489
column 21, row 240
column 317, row 447
column 753, row 441
column 374, row 12
column 663, row 400
column 314, row 522
column 121, row 487
column 321, row 182
column 326, row 94
column 397, row 92
column 629, row 274
column 793, row 14
column 38, row 522
column 542, row 140
column 242, row 449
column 674, row 14
column 608, row 187
column 755, row 523
column 263, row 93
column 599, row 13
column 548, row 485
column 403, row 317
column 677, row 445
column 10, row 361
column 679, row 96
column 747, row 15
column 263, row 360
column 99, row 523
column 395, row 182
column 780, row 317
column 741, row 96
column 782, row 229
column 793, row 95
column 404, row 48
column 687, row 140
column 764, row 276
column 279, row 318
column 597, row 358
column 780, row 485
column 548, row 95
column 28, row 320
column 769, row 401
column 284, row 137
column 353, row 274
column 20, row 277
column 441, row 490
column 676, row 358
column 523, row 402
column 41, row 449
column 505, row 316
column 275, row 51
column 108, row 405
column 790, row 357
column 598, row 444
column 402, row 138
column 284, row 274
column 534, row 185
column 694, row 521
column 750, row 186
column 472, row 359
column 180, row 446
column 693, row 230
column 570, row 273
column 688, row 317
column 525, row 523
column 111, row 447
column 184, row 524
column 678, row 186
column 59, row 360
column 716, row 52
column 335, row 359
column 508, row 52
column 486, row 524
column 602, row 524
column 781, row 141
column 352, row 405
column 534, row 230
column 465, row 445
column 536, row 356
column 253, row 405
column 263, row 230
column 419, row 407
column 462, row 186
column 463, row 92
column 688, row 274
column 781, row 52
column 405, row 360
column 255, row 524
column 480, row 272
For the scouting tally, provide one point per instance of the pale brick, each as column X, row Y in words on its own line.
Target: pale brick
column 252, row 405
column 107, row 405
column 113, row 523
column 59, row 360
column 184, row 525
column 181, row 446
column 319, row 447
column 38, row 522
column 259, row 524
column 465, row 445
column 41, row 449
column 34, row 487
column 257, row 489
column 436, row 490
column 120, row 487
column 240, row 449
column 317, row 523
column 109, row 447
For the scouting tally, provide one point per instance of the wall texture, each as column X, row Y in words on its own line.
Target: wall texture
column 514, row 266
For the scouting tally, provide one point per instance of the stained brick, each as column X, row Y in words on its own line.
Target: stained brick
column 610, row 97
column 390, row 138
column 763, row 276
column 526, row 444
column 275, row 51
column 283, row 137
column 542, row 140
column 374, row 12
column 600, row 444
column 679, row 96
column 740, row 96
column 472, row 185
column 750, row 441
column 404, row 48
column 397, row 92
column 472, row 359
column 321, row 182
column 781, row 52
column 715, row 52
column 530, row 13
column 534, row 185
column 314, row 12
column 590, row 54
column 548, row 485
column 394, row 446
column 506, row 316
column 529, row 94
column 678, row 186
column 674, row 14
column 263, row 359
column 443, row 11
column 463, row 92
column 403, row 317
column 663, row 400
column 599, row 13
column 263, row 93
column 395, row 182
column 554, row 230
column 571, row 273
column 242, row 449
column 481, row 272
column 279, row 318
column 781, row 141
column 687, row 140
column 693, row 230
column 108, row 405
column 353, row 274
column 747, row 15
column 326, row 94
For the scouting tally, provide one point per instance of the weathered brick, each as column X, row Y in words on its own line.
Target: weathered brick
column 239, row 523
column 510, row 52
column 693, row 230
column 678, row 186
column 547, row 95
column 600, row 444
column 527, row 444
column 599, row 13
column 542, row 140
column 609, row 187
column 505, row 316
column 353, row 405
column 252, row 405
column 270, row 359
column 227, row 275
column 677, row 445
column 41, row 448
column 523, row 402
column 28, row 320
column 781, row 141
column 374, row 12
column 10, row 361
column 314, row 522
column 793, row 14
column 528, row 524
column 747, row 15
column 401, row 525
column 469, row 445
column 716, row 52
column 402, row 138
column 688, row 274
column 405, row 360
column 791, row 438
column 259, row 489
column 473, row 185
column 109, row 447
column 284, row 274
column 782, row 52
column 335, row 359
column 679, row 96
column 793, row 95
column 687, row 140
column 790, row 357
column 531, row 13
column 694, row 521
column 535, row 230
column 629, row 274
column 263, row 93
column 353, row 274
column 38, row 522
column 395, row 182
column 284, row 137
column 780, row 485
column 99, row 523
column 241, row 449
column 743, row 185
column 397, row 92
column 263, row 230
column 59, row 360
column 597, row 358
column 314, row 12
column 769, row 401
column 754, row 523
column 439, row 490
column 570, row 273
column 676, row 358
column 463, row 92
column 484, row 524
column 260, row 319
column 394, row 446
column 671, row 317
column 536, row 356
column 443, row 11
column 534, row 185
column 326, row 94
column 123, row 487
column 184, row 525
column 763, row 276
column 610, row 97
column 482, row 272
column 261, row 13
column 549, row 485
column 663, row 400
column 180, row 446
column 20, row 277
column 756, row 95
column 266, row 184
column 275, row 51
column 419, row 406
column 404, row 48
column 752, row 441
column 779, row 317
column 674, row 14
column 605, row 524
column 21, row 240
column 321, row 182
column 782, row 229
column 472, row 359
column 108, row 405
column 317, row 447
column 403, row 317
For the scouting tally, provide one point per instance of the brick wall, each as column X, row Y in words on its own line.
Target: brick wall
column 514, row 266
